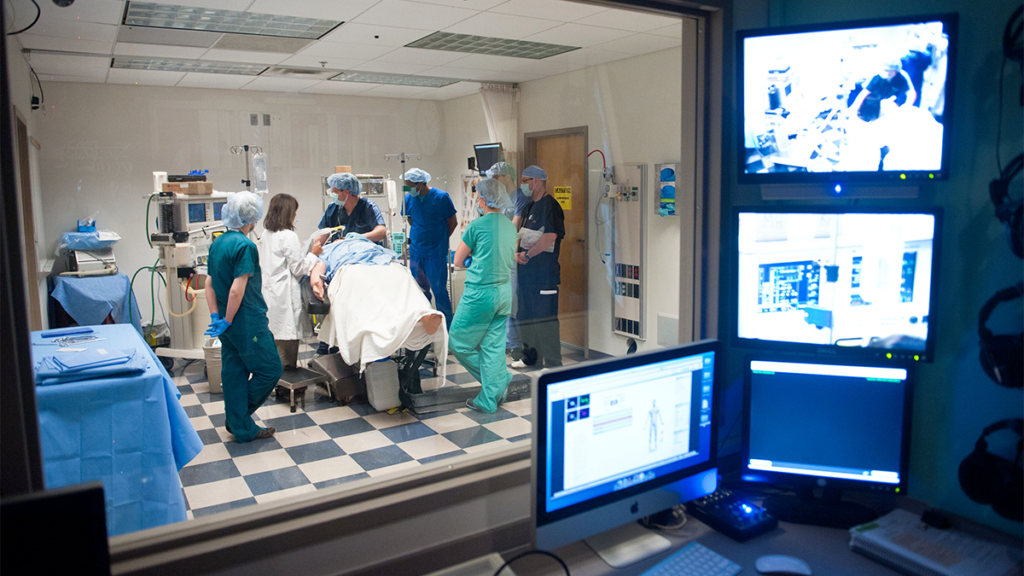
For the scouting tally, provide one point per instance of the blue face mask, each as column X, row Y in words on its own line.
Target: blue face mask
column 526, row 189
column 414, row 191
column 480, row 211
column 334, row 198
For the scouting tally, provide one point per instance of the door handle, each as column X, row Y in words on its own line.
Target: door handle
column 580, row 240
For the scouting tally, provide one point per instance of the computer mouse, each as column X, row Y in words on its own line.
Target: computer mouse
column 779, row 564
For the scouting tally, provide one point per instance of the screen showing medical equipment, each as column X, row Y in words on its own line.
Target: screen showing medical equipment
column 620, row 439
column 217, row 207
column 863, row 100
column 487, row 155
column 196, row 213
column 837, row 280
column 813, row 423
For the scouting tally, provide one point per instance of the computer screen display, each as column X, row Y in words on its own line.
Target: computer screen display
column 616, row 429
column 842, row 423
column 838, row 280
column 847, row 101
column 487, row 155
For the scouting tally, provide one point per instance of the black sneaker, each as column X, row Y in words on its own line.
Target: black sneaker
column 265, row 433
column 472, row 405
column 503, row 397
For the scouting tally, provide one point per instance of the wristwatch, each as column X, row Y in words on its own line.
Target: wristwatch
column 527, row 254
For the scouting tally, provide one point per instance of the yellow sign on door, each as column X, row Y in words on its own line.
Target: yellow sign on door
column 563, row 194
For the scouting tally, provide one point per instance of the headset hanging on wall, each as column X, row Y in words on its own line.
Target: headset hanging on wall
column 1001, row 354
column 990, row 479
column 1010, row 211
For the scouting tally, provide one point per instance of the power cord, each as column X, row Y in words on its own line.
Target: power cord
column 39, row 12
column 528, row 553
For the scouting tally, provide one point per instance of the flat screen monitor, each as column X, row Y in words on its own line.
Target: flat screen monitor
column 487, row 155
column 866, row 100
column 848, row 281
column 619, row 439
column 826, row 425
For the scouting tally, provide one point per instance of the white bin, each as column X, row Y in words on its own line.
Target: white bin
column 211, row 350
column 382, row 385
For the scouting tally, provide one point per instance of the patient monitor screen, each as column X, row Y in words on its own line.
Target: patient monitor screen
column 870, row 99
column 855, row 280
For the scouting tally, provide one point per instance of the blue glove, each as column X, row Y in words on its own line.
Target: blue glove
column 217, row 326
column 467, row 262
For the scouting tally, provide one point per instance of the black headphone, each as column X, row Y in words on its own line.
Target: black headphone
column 1009, row 211
column 1013, row 46
column 1001, row 354
column 990, row 479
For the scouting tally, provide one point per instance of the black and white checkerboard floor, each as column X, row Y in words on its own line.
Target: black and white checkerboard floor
column 327, row 444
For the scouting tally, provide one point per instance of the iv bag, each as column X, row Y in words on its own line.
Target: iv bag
column 259, row 173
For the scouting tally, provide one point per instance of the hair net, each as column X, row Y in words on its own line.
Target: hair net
column 242, row 209
column 417, row 175
column 501, row 169
column 345, row 181
column 893, row 64
column 493, row 193
column 535, row 172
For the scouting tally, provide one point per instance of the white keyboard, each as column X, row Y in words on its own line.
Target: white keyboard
column 695, row 560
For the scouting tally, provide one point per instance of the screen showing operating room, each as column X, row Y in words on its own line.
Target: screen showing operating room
column 842, row 279
column 860, row 99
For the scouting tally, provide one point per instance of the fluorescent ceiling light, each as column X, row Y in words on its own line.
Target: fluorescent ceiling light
column 154, row 15
column 487, row 45
column 179, row 65
column 397, row 79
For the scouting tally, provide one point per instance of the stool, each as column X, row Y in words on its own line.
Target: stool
column 296, row 380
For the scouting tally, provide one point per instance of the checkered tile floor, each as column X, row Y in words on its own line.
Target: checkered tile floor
column 327, row 444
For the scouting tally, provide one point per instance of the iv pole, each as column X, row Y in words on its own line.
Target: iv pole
column 244, row 150
column 401, row 157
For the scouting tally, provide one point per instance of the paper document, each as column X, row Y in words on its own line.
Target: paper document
column 528, row 238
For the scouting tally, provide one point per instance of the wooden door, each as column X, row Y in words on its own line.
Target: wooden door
column 562, row 154
column 28, row 226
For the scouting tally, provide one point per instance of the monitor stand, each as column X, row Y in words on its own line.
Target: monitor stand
column 828, row 509
column 627, row 544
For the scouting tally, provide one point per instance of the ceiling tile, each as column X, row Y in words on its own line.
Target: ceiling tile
column 342, row 88
column 247, row 57
column 588, row 57
column 279, row 84
column 157, row 51
column 168, row 37
column 548, row 9
column 350, row 51
column 375, row 34
column 501, row 26
column 512, row 77
column 33, row 42
column 314, row 62
column 222, row 81
column 640, row 44
column 421, row 56
column 143, row 77
column 628, row 20
column 543, row 67
column 96, row 11
column 487, row 62
column 460, row 73
column 62, row 64
column 454, row 91
column 672, row 31
column 577, row 35
column 414, row 15
column 321, row 9
column 76, row 29
column 96, row 78
column 390, row 67
column 396, row 91
column 471, row 4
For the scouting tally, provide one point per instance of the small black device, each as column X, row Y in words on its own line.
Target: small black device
column 732, row 515
column 991, row 479
column 186, row 177
column 471, row 164
column 1000, row 354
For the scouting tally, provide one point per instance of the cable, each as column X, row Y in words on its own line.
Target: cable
column 195, row 301
column 604, row 161
column 999, row 124
column 148, row 202
column 528, row 553
column 39, row 11
column 42, row 97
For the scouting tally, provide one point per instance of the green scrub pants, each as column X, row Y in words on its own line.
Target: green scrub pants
column 250, row 369
column 478, row 340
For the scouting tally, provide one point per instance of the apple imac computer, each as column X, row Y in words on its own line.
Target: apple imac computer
column 620, row 439
column 824, row 426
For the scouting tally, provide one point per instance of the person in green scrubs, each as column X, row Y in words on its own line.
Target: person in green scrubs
column 250, row 364
column 478, row 331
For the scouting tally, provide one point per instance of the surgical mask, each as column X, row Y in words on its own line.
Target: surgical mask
column 526, row 189
column 334, row 198
column 480, row 211
column 414, row 191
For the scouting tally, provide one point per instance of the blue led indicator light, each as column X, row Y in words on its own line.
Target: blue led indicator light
column 839, row 189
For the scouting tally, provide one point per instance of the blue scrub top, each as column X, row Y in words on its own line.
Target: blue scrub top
column 231, row 256
column 521, row 201
column 545, row 215
column 429, row 214
column 364, row 217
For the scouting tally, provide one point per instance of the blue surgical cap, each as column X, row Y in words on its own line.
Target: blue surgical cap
column 242, row 209
column 417, row 175
column 535, row 172
column 345, row 181
column 493, row 193
column 501, row 169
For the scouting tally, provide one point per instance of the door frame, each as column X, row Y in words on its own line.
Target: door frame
column 529, row 158
column 23, row 179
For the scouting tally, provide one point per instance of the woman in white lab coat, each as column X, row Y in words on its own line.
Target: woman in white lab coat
column 284, row 264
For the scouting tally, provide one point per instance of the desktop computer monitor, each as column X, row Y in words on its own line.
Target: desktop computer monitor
column 822, row 426
column 619, row 439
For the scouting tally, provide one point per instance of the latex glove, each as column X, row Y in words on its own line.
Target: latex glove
column 217, row 326
column 467, row 262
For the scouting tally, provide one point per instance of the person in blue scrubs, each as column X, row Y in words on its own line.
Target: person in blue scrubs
column 250, row 364
column 503, row 172
column 433, row 219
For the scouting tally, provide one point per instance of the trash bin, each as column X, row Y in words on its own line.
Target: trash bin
column 211, row 349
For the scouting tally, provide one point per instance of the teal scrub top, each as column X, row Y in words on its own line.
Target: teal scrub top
column 232, row 255
column 492, row 241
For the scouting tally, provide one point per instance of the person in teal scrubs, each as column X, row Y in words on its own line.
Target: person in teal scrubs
column 477, row 336
column 250, row 364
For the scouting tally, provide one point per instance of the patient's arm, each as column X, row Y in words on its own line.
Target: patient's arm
column 315, row 281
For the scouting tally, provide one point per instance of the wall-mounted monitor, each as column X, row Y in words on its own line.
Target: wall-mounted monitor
column 846, row 281
column 850, row 101
column 487, row 155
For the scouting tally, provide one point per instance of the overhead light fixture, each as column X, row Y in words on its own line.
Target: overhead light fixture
column 152, row 15
column 396, row 79
column 179, row 65
column 491, row 46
